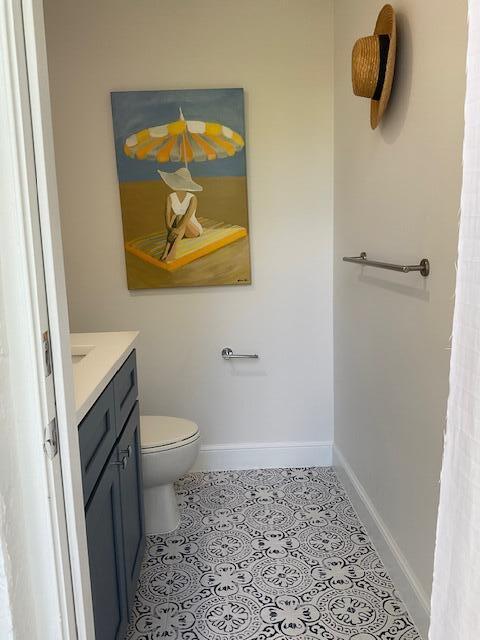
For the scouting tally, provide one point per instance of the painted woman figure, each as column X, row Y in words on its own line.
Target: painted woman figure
column 180, row 210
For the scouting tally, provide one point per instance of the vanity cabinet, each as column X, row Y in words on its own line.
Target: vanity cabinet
column 110, row 455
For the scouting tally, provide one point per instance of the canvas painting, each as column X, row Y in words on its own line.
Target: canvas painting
column 183, row 187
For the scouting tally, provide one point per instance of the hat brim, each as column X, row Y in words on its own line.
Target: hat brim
column 178, row 183
column 386, row 24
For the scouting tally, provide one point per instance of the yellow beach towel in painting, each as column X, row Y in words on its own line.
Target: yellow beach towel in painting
column 215, row 235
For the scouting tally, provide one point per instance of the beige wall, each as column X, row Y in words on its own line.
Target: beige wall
column 281, row 53
column 397, row 193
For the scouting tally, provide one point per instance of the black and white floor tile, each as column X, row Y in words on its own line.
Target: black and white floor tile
column 272, row 554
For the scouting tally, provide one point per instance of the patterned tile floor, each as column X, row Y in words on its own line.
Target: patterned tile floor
column 266, row 554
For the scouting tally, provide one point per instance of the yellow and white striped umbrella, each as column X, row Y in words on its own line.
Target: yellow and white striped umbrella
column 184, row 141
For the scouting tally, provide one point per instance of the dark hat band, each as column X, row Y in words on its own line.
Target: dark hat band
column 384, row 44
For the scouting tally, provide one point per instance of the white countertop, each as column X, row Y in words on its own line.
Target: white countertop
column 105, row 354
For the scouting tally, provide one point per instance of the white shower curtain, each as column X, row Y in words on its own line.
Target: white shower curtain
column 456, row 582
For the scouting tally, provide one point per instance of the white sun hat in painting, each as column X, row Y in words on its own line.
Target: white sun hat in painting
column 180, row 180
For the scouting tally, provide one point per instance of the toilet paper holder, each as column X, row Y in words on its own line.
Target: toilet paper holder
column 228, row 354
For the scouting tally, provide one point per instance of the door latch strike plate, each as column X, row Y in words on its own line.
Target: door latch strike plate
column 47, row 353
column 50, row 443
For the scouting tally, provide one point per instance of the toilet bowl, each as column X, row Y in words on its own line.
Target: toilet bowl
column 169, row 449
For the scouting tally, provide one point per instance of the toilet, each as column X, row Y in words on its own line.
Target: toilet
column 169, row 449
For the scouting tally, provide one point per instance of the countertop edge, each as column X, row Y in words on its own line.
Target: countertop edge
column 83, row 405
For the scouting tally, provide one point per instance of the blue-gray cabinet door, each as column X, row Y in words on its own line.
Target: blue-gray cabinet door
column 105, row 551
column 131, row 490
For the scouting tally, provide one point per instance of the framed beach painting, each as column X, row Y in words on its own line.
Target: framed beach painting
column 183, row 187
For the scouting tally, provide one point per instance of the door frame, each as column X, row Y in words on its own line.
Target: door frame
column 38, row 302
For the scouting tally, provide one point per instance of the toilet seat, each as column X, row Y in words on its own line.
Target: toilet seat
column 159, row 433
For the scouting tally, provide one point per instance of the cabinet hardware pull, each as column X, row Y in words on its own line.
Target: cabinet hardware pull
column 123, row 463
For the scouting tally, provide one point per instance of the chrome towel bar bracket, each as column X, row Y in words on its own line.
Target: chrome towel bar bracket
column 423, row 267
column 227, row 354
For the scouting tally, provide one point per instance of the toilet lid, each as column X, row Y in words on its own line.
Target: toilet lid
column 160, row 431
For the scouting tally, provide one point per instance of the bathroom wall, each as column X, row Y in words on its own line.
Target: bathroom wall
column 281, row 53
column 397, row 192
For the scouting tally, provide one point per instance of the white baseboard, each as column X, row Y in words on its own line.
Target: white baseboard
column 263, row 455
column 400, row 571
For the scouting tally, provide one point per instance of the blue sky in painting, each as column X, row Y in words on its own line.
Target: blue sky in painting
column 136, row 110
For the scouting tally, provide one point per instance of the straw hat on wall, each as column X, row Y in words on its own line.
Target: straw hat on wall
column 373, row 64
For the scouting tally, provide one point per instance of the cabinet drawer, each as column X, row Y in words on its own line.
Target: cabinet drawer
column 97, row 435
column 125, row 390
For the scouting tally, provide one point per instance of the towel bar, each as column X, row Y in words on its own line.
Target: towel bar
column 423, row 267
